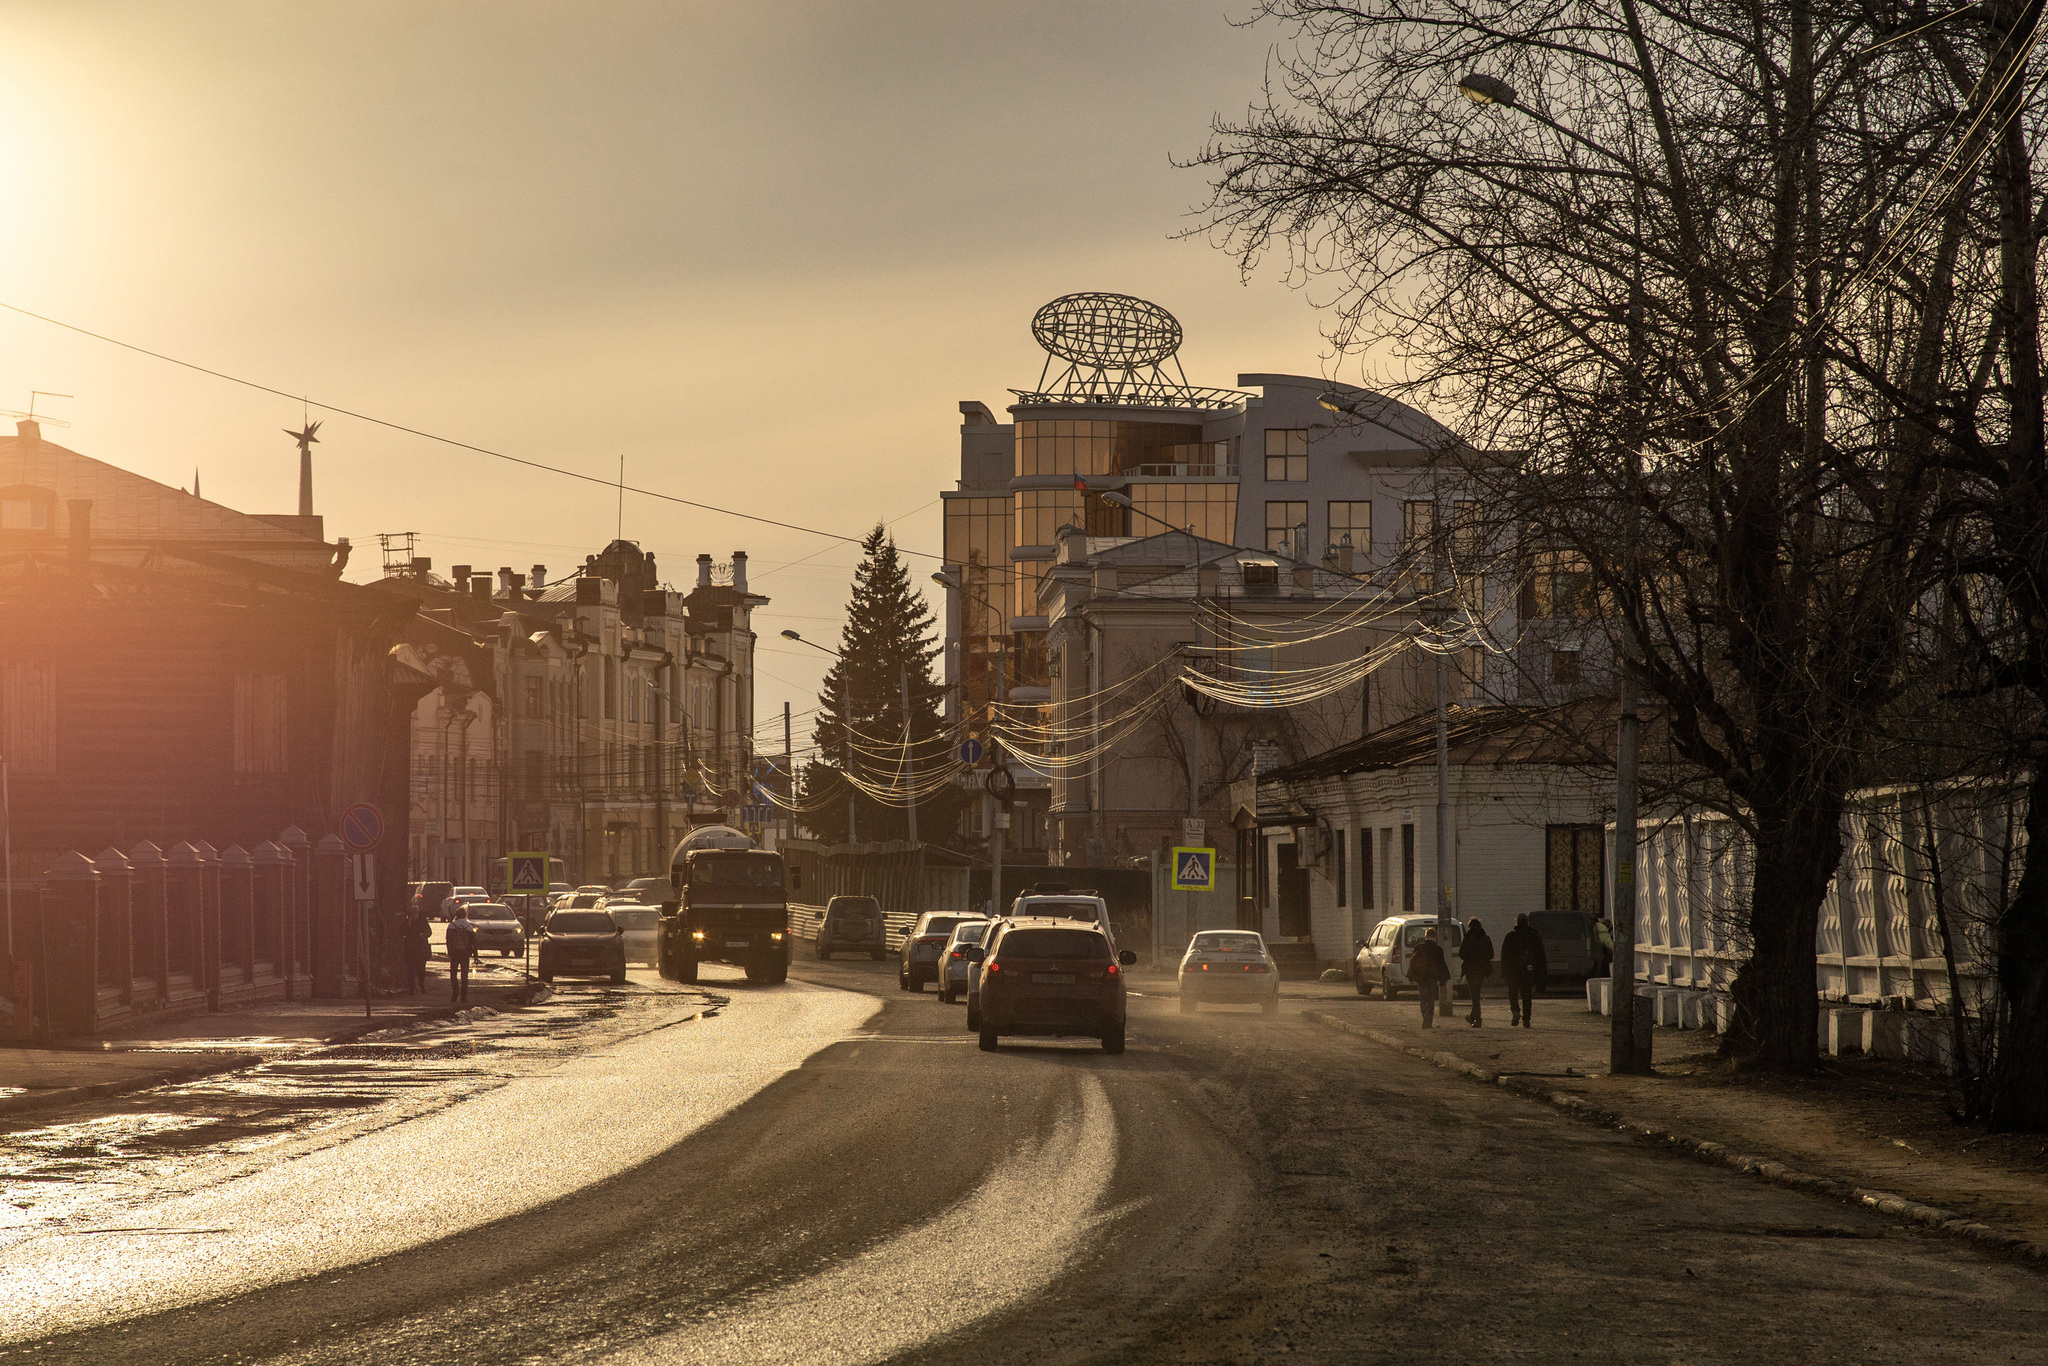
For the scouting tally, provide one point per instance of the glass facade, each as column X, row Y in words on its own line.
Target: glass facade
column 1093, row 446
column 1211, row 509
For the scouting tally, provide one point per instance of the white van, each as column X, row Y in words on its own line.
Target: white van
column 1383, row 956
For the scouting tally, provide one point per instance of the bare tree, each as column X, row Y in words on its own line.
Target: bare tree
column 1641, row 263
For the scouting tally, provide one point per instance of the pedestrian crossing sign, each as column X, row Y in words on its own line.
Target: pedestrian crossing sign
column 1194, row 870
column 526, row 873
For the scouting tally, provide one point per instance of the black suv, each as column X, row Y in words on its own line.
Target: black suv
column 853, row 924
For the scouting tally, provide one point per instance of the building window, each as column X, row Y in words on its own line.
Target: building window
column 1558, row 584
column 24, row 514
column 536, row 773
column 1351, row 524
column 1365, row 887
column 611, row 688
column 536, row 700
column 1407, row 869
column 1342, row 841
column 259, row 723
column 1418, row 525
column 1573, row 857
column 28, row 717
column 1287, row 529
column 1564, row 667
column 1287, row 455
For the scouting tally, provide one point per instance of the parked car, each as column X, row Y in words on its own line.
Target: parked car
column 1382, row 957
column 955, row 966
column 582, row 944
column 853, row 924
column 918, row 962
column 497, row 927
column 642, row 925
column 1573, row 943
column 1229, row 967
column 461, row 896
column 1062, row 978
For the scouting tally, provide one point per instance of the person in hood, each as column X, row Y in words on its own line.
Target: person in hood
column 1476, row 953
column 1523, row 966
column 1429, row 970
column 419, row 946
column 461, row 949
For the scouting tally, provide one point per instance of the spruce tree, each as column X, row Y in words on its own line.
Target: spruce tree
column 889, row 635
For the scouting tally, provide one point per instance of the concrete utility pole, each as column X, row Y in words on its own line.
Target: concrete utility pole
column 909, row 763
column 788, row 778
column 1000, row 816
column 846, row 755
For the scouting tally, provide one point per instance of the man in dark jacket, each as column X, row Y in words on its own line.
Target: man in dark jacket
column 419, row 946
column 1476, row 953
column 1524, row 966
column 1428, row 970
column 461, row 947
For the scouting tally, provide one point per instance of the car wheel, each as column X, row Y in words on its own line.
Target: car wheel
column 878, row 955
column 1358, row 980
column 1388, row 991
column 547, row 977
column 973, row 1014
column 824, row 954
column 945, row 996
column 618, row 979
column 686, row 970
column 988, row 1039
column 1188, row 1004
column 1113, row 1038
column 902, row 980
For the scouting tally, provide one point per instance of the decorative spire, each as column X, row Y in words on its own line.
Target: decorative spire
column 306, row 440
column 195, row 481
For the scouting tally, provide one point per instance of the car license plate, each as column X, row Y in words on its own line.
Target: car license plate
column 1057, row 979
column 736, row 943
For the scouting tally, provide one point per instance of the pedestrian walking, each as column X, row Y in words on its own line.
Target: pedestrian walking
column 1476, row 953
column 1429, row 970
column 1523, row 967
column 419, row 946
column 461, row 948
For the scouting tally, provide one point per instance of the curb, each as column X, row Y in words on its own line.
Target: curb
column 1763, row 1168
column 64, row 1095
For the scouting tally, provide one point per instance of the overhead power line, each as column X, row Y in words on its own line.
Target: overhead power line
column 444, row 440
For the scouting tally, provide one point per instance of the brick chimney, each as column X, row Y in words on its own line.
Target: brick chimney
column 739, row 571
column 459, row 575
column 505, row 580
column 703, row 571
column 537, row 578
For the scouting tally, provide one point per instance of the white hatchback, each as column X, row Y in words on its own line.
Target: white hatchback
column 1229, row 967
column 1382, row 960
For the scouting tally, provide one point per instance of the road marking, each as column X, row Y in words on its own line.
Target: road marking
column 388, row 1190
column 993, row 1250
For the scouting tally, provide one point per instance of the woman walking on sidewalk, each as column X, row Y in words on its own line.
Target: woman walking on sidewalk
column 1524, row 965
column 1476, row 953
column 1429, row 970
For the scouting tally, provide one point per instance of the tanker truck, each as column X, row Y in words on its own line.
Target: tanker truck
column 728, row 903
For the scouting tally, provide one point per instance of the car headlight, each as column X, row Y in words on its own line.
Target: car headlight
column 775, row 934
column 696, row 934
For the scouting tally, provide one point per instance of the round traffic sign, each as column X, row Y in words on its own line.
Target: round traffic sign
column 1000, row 784
column 970, row 752
column 362, row 827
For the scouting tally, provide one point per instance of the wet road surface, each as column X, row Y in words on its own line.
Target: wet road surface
column 1232, row 1189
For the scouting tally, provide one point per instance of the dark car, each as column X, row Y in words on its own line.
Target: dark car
column 1062, row 978
column 853, row 924
column 918, row 962
column 582, row 944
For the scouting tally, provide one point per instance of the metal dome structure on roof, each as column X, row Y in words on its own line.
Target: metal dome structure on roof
column 1115, row 346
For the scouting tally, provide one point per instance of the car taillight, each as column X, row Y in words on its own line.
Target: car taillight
column 1112, row 970
column 959, row 953
column 1255, row 967
column 995, row 967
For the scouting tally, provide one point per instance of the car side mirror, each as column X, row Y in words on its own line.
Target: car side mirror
column 1127, row 957
column 976, row 954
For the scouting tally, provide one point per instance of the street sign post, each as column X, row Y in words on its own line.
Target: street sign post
column 362, row 872
column 1194, row 870
column 362, row 827
column 526, row 874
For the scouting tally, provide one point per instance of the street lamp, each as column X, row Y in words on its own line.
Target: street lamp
column 992, row 806
column 845, row 730
column 1483, row 89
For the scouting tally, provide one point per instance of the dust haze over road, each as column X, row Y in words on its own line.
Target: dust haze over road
column 833, row 1172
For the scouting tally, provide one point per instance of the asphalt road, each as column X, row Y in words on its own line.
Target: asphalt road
column 1232, row 1189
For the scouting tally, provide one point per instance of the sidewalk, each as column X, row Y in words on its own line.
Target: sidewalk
column 161, row 1052
column 1865, row 1129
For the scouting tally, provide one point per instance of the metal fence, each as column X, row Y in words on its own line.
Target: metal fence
column 895, row 872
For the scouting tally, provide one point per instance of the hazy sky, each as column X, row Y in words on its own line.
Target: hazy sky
column 761, row 251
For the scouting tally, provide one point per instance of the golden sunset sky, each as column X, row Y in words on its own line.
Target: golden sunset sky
column 761, row 251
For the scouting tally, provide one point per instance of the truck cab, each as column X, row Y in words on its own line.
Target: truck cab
column 728, row 903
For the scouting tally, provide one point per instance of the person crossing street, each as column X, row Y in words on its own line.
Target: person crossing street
column 1476, row 953
column 461, row 948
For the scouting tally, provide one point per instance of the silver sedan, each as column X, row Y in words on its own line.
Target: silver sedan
column 1229, row 967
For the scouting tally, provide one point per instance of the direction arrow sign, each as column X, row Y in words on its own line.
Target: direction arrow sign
column 1194, row 870
column 363, row 876
column 362, row 827
column 970, row 752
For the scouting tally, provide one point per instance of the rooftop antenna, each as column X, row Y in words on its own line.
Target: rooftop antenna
column 31, row 414
column 307, row 440
column 621, row 533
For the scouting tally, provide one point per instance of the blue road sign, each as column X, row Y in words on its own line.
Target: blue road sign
column 970, row 752
column 1194, row 870
column 362, row 827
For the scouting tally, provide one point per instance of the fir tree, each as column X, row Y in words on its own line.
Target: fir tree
column 889, row 636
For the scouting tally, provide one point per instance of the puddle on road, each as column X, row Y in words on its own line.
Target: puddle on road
column 153, row 1141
